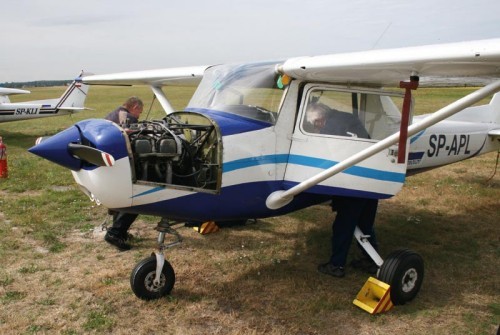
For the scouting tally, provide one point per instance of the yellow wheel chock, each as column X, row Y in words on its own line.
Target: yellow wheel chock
column 207, row 228
column 374, row 297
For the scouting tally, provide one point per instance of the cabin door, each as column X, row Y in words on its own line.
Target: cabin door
column 334, row 124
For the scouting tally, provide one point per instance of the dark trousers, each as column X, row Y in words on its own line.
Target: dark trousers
column 121, row 223
column 351, row 212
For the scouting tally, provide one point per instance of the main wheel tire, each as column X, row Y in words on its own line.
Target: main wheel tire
column 143, row 276
column 403, row 270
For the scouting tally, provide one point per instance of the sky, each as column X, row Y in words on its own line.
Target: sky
column 56, row 39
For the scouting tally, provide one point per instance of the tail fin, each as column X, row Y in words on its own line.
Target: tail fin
column 74, row 97
column 495, row 108
column 489, row 113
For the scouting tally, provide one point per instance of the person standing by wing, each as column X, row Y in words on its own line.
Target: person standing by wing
column 351, row 211
column 118, row 235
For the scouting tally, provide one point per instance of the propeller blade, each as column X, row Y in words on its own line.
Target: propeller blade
column 91, row 155
column 41, row 139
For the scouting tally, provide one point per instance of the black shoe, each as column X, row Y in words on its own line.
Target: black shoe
column 332, row 270
column 365, row 264
column 127, row 237
column 117, row 242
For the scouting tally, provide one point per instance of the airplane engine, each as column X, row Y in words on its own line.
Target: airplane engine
column 179, row 150
column 154, row 153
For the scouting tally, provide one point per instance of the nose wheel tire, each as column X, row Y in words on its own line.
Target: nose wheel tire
column 403, row 270
column 142, row 279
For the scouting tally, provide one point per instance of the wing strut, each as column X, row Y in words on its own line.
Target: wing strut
column 160, row 95
column 281, row 198
column 405, row 118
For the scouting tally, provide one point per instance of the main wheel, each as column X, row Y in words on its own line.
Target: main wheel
column 143, row 276
column 403, row 270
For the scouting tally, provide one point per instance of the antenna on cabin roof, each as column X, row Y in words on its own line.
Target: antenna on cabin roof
column 381, row 35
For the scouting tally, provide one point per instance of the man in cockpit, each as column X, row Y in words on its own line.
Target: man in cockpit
column 325, row 120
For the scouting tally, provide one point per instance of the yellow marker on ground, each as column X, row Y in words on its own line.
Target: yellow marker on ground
column 207, row 228
column 374, row 297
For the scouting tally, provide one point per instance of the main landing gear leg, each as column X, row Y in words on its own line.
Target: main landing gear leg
column 154, row 277
column 403, row 270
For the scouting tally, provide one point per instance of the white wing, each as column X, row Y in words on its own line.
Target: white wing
column 376, row 67
column 11, row 91
column 387, row 67
column 5, row 92
column 180, row 76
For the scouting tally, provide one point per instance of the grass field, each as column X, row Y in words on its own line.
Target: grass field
column 58, row 276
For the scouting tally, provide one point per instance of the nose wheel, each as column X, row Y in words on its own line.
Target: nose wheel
column 154, row 277
column 146, row 284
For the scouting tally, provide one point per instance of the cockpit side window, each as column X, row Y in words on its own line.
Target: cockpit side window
column 351, row 114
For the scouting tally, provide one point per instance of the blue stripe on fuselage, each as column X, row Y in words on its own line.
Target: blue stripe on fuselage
column 312, row 162
column 417, row 136
column 153, row 190
column 254, row 161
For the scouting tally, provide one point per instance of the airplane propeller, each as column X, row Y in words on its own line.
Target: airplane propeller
column 91, row 155
column 65, row 149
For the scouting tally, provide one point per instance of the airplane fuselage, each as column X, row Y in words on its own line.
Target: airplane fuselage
column 16, row 111
column 252, row 169
column 243, row 137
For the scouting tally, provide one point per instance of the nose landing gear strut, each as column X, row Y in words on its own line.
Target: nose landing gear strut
column 154, row 277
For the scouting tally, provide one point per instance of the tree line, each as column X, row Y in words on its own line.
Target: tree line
column 37, row 83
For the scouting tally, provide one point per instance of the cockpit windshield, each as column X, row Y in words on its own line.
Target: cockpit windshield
column 253, row 91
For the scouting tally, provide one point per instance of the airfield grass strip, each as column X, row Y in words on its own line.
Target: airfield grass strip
column 57, row 275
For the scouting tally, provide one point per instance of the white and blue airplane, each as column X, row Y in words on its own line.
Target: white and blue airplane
column 71, row 101
column 248, row 146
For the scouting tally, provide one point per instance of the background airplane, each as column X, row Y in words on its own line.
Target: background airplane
column 245, row 146
column 71, row 101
